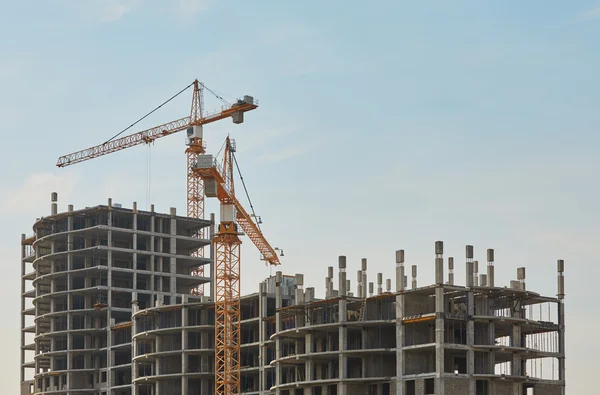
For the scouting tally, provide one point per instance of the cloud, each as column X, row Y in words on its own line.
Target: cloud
column 35, row 192
column 106, row 11
column 192, row 7
column 283, row 154
column 591, row 14
column 115, row 10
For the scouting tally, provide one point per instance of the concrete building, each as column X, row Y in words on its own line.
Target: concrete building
column 151, row 336
column 82, row 273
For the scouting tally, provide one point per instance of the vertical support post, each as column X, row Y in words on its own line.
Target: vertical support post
column 363, row 266
column 359, row 286
column 450, row 271
column 343, row 330
column 379, row 283
column 262, row 314
column 23, row 254
column 439, row 317
column 399, row 326
column 561, row 325
column 490, row 267
column 212, row 257
column 278, row 305
column 470, row 322
column 414, row 276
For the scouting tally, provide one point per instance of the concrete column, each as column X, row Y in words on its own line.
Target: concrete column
column 343, row 331
column 490, row 267
column 262, row 313
column 521, row 277
column 184, row 346
column 308, row 363
column 134, row 348
column 152, row 263
column 483, row 280
column 370, row 289
column 451, row 271
column 379, row 283
column 475, row 273
column 439, row 317
column 561, row 324
column 157, row 368
column 470, row 322
column 278, row 305
column 399, row 326
column 299, row 297
column 363, row 266
column 23, row 253
column 212, row 257
column 414, row 276
column 172, row 260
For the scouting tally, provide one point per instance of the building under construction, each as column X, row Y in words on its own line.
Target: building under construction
column 108, row 307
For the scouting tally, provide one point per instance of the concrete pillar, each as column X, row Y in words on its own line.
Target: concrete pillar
column 172, row 260
column 483, row 280
column 184, row 346
column 379, row 283
column 439, row 320
column 363, row 265
column 343, row 331
column 475, row 273
column 54, row 205
column 262, row 332
column 451, row 271
column 414, row 276
column 359, row 286
column 278, row 305
column 470, row 322
column 308, row 363
column 370, row 289
column 490, row 267
column 212, row 257
column 299, row 297
column 561, row 324
column 521, row 277
column 399, row 326
column 388, row 285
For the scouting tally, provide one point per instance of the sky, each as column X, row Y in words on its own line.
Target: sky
column 382, row 125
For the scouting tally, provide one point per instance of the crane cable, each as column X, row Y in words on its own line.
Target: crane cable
column 151, row 112
column 246, row 190
column 216, row 95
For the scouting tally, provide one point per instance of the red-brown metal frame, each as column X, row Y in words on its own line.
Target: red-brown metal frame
column 195, row 186
column 227, row 309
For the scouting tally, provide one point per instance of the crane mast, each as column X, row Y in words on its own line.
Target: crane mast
column 219, row 183
column 195, row 194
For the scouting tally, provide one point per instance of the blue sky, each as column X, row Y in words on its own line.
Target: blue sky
column 382, row 125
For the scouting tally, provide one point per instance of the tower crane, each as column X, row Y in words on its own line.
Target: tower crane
column 206, row 176
column 195, row 145
column 218, row 182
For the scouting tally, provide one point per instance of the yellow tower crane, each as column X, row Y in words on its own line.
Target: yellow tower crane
column 219, row 183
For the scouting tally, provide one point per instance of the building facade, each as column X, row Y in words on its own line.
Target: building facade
column 83, row 272
column 108, row 308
